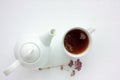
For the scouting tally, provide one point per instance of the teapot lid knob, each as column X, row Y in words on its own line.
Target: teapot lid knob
column 30, row 52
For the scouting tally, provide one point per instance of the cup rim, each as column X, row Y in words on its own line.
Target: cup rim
column 85, row 51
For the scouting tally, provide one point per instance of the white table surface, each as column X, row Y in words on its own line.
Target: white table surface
column 18, row 17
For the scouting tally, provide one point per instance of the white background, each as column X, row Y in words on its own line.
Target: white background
column 18, row 17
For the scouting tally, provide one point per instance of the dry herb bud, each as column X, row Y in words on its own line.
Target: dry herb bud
column 73, row 73
column 78, row 65
column 70, row 63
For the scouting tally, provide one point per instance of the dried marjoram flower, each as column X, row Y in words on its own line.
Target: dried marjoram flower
column 73, row 73
column 70, row 64
column 73, row 65
column 78, row 65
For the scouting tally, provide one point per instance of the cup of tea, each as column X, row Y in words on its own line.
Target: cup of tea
column 77, row 41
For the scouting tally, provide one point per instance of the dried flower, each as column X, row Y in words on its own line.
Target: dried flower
column 78, row 65
column 73, row 73
column 70, row 63
column 73, row 66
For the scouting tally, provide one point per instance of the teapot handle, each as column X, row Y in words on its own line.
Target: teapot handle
column 11, row 68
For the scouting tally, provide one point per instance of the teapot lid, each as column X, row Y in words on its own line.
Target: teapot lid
column 29, row 52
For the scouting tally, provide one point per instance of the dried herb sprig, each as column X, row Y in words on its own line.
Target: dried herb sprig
column 73, row 66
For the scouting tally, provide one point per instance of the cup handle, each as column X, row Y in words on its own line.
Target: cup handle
column 90, row 30
column 11, row 68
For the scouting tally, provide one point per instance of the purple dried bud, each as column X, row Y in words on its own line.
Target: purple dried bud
column 70, row 63
column 78, row 64
column 73, row 73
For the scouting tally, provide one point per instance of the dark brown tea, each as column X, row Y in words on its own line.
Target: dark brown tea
column 76, row 41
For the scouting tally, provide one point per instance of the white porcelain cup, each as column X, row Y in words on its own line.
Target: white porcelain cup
column 88, row 32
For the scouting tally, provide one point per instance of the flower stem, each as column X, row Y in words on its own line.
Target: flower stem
column 50, row 67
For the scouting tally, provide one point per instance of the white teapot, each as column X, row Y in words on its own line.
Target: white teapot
column 32, row 51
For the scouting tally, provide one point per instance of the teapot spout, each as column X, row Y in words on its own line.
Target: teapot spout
column 47, row 38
